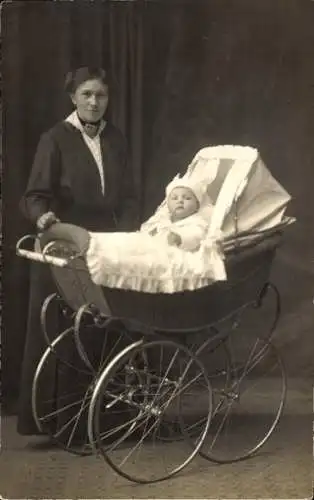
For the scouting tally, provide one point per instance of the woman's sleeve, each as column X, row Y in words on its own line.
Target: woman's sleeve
column 128, row 216
column 40, row 194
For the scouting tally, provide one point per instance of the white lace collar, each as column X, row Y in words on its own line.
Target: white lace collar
column 75, row 121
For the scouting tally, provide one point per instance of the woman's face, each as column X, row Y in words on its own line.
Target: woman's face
column 91, row 100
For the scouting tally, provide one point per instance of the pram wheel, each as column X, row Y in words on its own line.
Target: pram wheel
column 249, row 408
column 169, row 381
column 62, row 414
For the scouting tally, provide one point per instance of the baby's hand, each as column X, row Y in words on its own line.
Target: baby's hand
column 174, row 239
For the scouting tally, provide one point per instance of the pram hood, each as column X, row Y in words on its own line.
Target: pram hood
column 246, row 195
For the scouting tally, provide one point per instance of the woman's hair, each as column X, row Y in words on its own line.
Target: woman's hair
column 78, row 76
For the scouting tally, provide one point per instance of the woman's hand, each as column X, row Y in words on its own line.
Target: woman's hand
column 174, row 239
column 46, row 220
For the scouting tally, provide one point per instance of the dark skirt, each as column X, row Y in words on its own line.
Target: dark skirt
column 41, row 285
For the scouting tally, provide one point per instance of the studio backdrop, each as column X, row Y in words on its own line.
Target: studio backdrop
column 185, row 74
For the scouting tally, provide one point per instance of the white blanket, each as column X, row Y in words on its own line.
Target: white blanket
column 138, row 261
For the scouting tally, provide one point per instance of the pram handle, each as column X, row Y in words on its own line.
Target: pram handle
column 37, row 256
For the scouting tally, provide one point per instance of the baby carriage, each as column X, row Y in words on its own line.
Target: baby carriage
column 166, row 376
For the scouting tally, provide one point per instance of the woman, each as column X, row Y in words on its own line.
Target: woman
column 80, row 175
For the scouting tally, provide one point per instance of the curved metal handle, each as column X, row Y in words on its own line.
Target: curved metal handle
column 37, row 256
column 24, row 238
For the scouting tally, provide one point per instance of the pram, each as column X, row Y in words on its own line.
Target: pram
column 168, row 376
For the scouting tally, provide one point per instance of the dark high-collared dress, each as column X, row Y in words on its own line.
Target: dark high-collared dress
column 65, row 179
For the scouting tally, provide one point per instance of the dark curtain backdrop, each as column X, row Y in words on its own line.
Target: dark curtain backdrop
column 185, row 74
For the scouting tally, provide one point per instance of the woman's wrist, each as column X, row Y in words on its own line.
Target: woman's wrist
column 46, row 220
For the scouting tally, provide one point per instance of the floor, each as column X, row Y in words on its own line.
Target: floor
column 283, row 468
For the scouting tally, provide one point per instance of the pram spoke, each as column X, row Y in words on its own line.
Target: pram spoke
column 156, row 393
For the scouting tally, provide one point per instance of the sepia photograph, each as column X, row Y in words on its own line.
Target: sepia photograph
column 157, row 244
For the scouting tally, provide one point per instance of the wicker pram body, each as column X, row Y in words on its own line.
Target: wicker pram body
column 248, row 267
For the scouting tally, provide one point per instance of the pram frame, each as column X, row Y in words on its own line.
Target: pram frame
column 235, row 250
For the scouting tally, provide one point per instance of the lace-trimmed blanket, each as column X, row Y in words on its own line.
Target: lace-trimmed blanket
column 138, row 261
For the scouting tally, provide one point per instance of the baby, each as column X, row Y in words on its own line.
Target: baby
column 185, row 228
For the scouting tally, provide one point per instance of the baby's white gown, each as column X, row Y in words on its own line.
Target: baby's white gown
column 142, row 262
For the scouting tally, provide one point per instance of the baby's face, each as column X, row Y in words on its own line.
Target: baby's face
column 182, row 203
